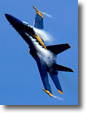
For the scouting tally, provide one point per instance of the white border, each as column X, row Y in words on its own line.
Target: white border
column 75, row 109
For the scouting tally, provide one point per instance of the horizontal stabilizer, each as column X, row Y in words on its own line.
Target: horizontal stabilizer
column 62, row 68
column 56, row 49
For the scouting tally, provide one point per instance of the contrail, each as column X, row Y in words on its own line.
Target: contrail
column 57, row 97
column 48, row 15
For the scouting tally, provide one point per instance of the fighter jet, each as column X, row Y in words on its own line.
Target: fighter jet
column 45, row 56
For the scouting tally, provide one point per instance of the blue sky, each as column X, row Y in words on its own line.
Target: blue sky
column 20, row 82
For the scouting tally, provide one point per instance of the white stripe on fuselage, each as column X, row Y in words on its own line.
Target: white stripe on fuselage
column 47, row 55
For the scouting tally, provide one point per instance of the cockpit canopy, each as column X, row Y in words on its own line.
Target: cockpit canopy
column 25, row 23
column 29, row 29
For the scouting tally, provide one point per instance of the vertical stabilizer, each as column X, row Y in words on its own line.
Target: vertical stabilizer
column 38, row 22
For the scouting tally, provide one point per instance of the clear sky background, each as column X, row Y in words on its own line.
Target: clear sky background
column 20, row 82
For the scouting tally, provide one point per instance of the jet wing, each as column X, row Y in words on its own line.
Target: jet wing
column 38, row 22
column 44, row 76
column 43, row 73
column 55, row 79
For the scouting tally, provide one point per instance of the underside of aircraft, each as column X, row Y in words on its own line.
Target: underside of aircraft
column 45, row 56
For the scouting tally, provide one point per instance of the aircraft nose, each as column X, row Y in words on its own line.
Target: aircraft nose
column 6, row 15
column 13, row 20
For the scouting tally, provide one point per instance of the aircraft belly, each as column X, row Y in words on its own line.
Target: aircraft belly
column 48, row 57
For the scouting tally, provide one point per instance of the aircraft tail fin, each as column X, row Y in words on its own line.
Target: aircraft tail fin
column 62, row 68
column 38, row 22
column 56, row 49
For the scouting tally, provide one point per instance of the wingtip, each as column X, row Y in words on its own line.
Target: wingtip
column 72, row 70
column 50, row 94
column 60, row 91
column 37, row 11
column 35, row 8
column 68, row 45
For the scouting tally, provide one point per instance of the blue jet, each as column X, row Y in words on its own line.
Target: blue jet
column 45, row 56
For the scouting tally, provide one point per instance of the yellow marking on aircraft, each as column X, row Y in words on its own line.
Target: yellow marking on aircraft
column 39, row 39
column 60, row 91
column 36, row 36
column 37, row 11
column 48, row 93
column 35, row 8
column 40, row 14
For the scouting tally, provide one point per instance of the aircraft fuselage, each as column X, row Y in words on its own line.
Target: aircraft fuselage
column 45, row 56
column 33, row 40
